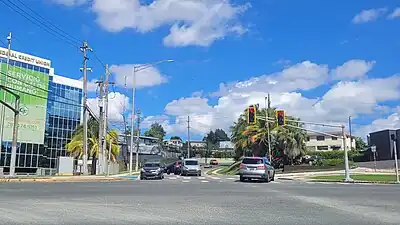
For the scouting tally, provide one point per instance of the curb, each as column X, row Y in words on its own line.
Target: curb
column 352, row 182
column 284, row 178
column 52, row 180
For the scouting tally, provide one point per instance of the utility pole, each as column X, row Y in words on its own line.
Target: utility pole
column 267, row 123
column 125, row 123
column 109, row 158
column 188, row 141
column 15, row 109
column 351, row 137
column 137, row 141
column 3, row 109
column 396, row 164
column 85, row 48
column 132, row 119
column 105, row 120
column 101, row 124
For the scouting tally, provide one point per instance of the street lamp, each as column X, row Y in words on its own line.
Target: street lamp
column 137, row 68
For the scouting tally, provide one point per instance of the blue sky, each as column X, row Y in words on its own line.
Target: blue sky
column 320, row 61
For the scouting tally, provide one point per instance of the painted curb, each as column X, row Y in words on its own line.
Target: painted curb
column 52, row 180
column 351, row 182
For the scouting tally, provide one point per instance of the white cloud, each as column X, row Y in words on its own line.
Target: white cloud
column 91, row 85
column 115, row 106
column 70, row 3
column 191, row 22
column 369, row 15
column 144, row 78
column 356, row 98
column 302, row 76
column 353, row 69
column 390, row 122
column 395, row 13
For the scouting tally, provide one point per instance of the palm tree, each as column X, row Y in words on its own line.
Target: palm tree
column 285, row 141
column 75, row 146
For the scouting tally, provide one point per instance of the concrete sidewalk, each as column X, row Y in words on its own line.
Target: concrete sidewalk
column 64, row 179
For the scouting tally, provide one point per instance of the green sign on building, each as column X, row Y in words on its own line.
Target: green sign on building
column 33, row 88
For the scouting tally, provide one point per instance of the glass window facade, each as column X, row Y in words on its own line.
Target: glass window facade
column 63, row 116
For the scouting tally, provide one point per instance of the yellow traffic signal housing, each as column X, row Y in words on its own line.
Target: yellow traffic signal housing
column 252, row 114
column 280, row 117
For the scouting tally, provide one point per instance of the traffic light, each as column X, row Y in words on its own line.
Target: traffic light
column 280, row 117
column 252, row 113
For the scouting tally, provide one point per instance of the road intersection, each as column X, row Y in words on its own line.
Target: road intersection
column 199, row 200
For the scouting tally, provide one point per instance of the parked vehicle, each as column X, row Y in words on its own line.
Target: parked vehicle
column 213, row 162
column 152, row 170
column 256, row 168
column 190, row 167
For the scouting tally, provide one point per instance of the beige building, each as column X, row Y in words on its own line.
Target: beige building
column 320, row 142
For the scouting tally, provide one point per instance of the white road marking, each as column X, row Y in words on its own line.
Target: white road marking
column 186, row 181
column 205, row 181
column 216, row 178
column 187, row 178
column 172, row 178
column 201, row 178
column 231, row 178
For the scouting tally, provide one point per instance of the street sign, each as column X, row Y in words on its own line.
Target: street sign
column 373, row 148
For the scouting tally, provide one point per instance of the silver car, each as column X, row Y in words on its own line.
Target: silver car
column 256, row 168
column 190, row 167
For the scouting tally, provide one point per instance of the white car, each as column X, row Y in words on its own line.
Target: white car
column 190, row 167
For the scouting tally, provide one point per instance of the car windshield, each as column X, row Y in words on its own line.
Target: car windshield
column 151, row 165
column 252, row 161
column 191, row 163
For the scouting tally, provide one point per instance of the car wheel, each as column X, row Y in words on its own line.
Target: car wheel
column 268, row 178
column 168, row 172
column 241, row 178
column 273, row 177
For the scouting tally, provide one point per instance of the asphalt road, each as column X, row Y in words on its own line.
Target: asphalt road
column 206, row 200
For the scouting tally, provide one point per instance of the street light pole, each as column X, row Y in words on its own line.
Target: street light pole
column 136, row 69
column 3, row 109
column 267, row 123
column 346, row 159
column 132, row 120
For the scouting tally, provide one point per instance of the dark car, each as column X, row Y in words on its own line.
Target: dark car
column 152, row 170
column 174, row 168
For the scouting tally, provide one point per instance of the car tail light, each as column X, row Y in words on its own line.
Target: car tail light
column 261, row 167
column 242, row 166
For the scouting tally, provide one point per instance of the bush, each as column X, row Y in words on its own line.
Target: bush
column 336, row 154
column 332, row 162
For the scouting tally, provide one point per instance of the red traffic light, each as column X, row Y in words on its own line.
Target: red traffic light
column 280, row 117
column 251, row 117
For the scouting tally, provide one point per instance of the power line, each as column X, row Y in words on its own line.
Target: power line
column 39, row 88
column 40, row 24
column 42, row 97
column 56, row 27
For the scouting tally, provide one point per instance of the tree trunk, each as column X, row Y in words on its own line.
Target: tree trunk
column 94, row 166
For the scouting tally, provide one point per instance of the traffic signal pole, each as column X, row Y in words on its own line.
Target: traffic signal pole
column 342, row 127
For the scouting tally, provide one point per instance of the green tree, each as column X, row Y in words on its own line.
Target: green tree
column 75, row 146
column 176, row 138
column 156, row 130
column 285, row 141
column 360, row 144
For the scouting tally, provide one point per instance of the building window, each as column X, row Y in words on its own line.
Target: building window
column 320, row 138
column 322, row 148
column 308, row 138
column 334, row 138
